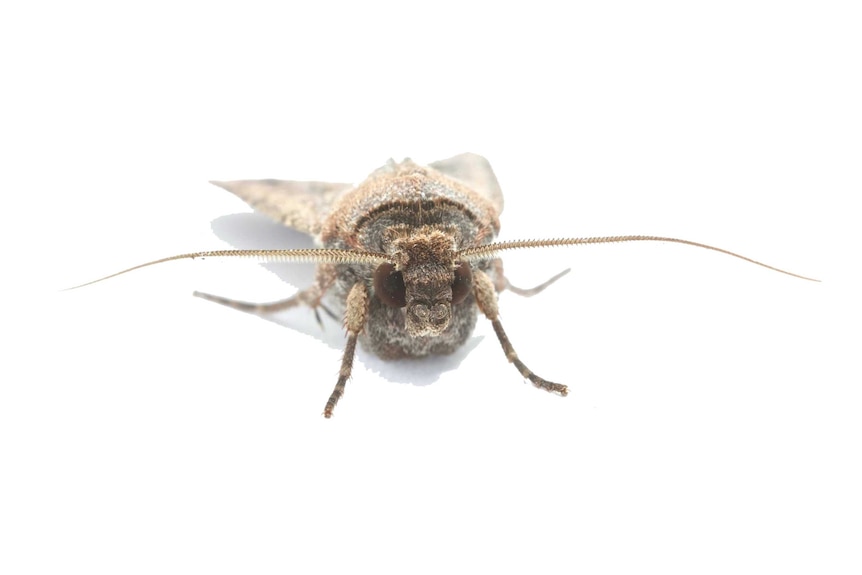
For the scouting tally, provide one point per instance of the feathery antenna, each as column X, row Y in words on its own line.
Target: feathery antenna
column 338, row 256
column 323, row 255
column 491, row 250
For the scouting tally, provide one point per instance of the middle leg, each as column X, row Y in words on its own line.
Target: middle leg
column 310, row 296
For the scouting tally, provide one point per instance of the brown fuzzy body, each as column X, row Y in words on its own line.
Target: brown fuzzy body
column 419, row 215
column 407, row 197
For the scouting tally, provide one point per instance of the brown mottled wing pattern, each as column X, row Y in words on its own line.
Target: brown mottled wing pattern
column 302, row 206
column 474, row 171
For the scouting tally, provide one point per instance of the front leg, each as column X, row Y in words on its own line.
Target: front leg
column 354, row 321
column 486, row 299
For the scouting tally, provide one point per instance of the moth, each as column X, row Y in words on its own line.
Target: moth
column 407, row 258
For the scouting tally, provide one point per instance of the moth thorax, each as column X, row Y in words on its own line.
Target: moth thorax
column 427, row 246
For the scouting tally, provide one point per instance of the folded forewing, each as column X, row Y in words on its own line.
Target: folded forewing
column 299, row 205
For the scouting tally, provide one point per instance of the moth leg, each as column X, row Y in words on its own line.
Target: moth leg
column 486, row 299
column 355, row 313
column 501, row 282
column 310, row 296
column 538, row 289
column 258, row 308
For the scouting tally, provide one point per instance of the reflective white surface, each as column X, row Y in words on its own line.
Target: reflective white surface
column 712, row 422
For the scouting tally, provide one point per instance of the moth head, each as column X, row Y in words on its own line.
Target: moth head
column 425, row 278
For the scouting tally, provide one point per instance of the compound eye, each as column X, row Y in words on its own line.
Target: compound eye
column 463, row 283
column 389, row 286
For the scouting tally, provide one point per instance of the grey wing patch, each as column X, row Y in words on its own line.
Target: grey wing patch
column 476, row 172
column 299, row 205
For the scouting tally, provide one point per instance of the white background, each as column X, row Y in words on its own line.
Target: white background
column 713, row 421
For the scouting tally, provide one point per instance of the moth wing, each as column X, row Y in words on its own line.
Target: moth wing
column 474, row 171
column 302, row 206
